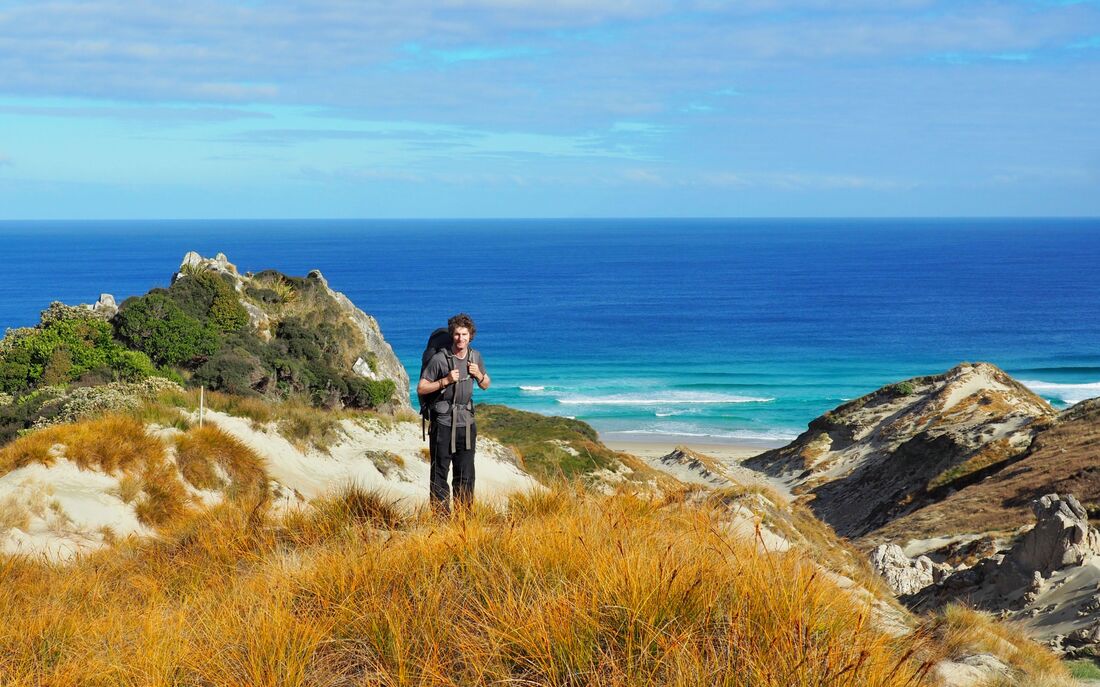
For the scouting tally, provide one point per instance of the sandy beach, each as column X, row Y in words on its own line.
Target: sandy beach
column 729, row 453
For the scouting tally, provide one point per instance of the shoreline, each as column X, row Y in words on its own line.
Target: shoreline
column 657, row 449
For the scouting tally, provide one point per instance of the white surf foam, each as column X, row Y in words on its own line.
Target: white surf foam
column 746, row 434
column 1068, row 393
column 524, row 387
column 672, row 398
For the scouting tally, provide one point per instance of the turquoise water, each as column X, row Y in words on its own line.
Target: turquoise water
column 712, row 330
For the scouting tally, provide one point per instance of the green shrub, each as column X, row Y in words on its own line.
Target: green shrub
column 131, row 366
column 227, row 314
column 156, row 325
column 903, row 388
column 26, row 411
column 193, row 295
column 368, row 393
column 68, row 345
column 233, row 371
column 263, row 295
column 210, row 298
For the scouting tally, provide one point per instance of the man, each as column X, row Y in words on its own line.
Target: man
column 453, row 431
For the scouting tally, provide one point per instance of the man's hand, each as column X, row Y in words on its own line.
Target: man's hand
column 451, row 377
column 475, row 371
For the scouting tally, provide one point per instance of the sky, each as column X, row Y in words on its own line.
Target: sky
column 575, row 108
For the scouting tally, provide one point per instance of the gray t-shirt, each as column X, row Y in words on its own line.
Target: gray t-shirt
column 461, row 392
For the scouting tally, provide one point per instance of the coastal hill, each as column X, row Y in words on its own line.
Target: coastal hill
column 277, row 534
column 265, row 334
column 909, row 445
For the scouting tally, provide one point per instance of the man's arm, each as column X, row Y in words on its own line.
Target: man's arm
column 427, row 385
column 480, row 375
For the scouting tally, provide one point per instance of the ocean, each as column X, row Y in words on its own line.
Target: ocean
column 737, row 331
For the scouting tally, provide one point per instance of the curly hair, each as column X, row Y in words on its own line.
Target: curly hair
column 461, row 320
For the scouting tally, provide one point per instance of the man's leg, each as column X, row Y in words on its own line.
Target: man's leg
column 464, row 467
column 439, row 492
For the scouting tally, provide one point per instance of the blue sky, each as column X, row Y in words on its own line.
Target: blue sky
column 487, row 108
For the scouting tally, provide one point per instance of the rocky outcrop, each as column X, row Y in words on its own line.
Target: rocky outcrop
column 386, row 364
column 693, row 468
column 904, row 575
column 1049, row 580
column 1061, row 537
column 890, row 452
column 375, row 359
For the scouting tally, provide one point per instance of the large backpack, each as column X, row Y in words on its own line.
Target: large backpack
column 438, row 342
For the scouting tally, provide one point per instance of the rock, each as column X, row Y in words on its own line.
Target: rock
column 191, row 259
column 105, row 306
column 259, row 320
column 383, row 364
column 1062, row 537
column 905, row 575
column 218, row 263
column 387, row 365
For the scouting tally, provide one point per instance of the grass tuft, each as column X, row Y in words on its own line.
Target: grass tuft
column 965, row 631
column 208, row 458
column 354, row 505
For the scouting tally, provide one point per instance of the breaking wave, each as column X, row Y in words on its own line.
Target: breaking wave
column 747, row 434
column 671, row 398
column 1068, row 393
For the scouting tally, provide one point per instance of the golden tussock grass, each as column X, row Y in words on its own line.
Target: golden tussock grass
column 110, row 443
column 562, row 589
column 305, row 426
column 963, row 631
column 114, row 444
column 207, row 457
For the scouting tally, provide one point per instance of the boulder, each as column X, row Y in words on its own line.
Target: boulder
column 905, row 575
column 1061, row 537
column 105, row 306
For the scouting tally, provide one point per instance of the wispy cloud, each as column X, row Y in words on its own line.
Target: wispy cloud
column 472, row 53
column 86, row 110
column 701, row 98
column 973, row 58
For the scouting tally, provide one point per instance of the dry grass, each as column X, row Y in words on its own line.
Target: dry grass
column 562, row 590
column 300, row 423
column 963, row 631
column 256, row 409
column 163, row 414
column 209, row 458
column 305, row 426
column 110, row 443
column 796, row 523
column 114, row 444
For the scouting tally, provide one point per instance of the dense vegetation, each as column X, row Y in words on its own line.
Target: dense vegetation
column 552, row 448
column 196, row 332
column 69, row 345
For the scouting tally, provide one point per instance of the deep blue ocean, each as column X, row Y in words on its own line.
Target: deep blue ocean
column 708, row 330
